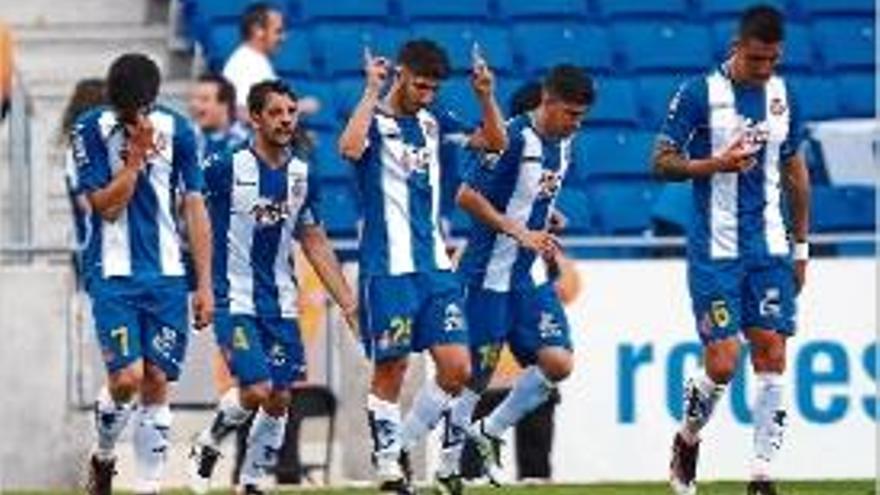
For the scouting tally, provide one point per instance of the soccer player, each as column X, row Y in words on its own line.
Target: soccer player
column 212, row 108
column 261, row 198
column 505, row 265
column 736, row 134
column 410, row 299
column 133, row 158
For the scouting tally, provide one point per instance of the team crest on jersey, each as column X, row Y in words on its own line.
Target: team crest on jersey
column 777, row 107
column 298, row 185
column 416, row 159
column 549, row 184
column 267, row 212
column 430, row 128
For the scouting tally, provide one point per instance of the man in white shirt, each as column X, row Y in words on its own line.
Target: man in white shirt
column 262, row 32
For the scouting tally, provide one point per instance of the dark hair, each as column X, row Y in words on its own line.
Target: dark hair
column 132, row 82
column 255, row 16
column 424, row 58
column 763, row 23
column 570, row 84
column 525, row 99
column 87, row 94
column 225, row 91
column 260, row 92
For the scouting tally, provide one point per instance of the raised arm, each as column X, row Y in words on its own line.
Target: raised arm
column 111, row 200
column 492, row 134
column 353, row 140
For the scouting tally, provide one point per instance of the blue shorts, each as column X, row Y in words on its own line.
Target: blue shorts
column 527, row 319
column 730, row 296
column 260, row 349
column 139, row 319
column 400, row 314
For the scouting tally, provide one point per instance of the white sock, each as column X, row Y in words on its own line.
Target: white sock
column 428, row 406
column 770, row 422
column 458, row 420
column 152, row 424
column 229, row 416
column 531, row 389
column 700, row 396
column 384, row 418
column 110, row 419
column 263, row 443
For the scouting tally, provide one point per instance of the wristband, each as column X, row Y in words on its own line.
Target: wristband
column 801, row 251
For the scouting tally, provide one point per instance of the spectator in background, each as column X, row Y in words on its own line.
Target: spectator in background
column 87, row 94
column 6, row 65
column 262, row 31
column 212, row 108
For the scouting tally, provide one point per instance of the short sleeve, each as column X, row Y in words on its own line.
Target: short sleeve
column 686, row 112
column 796, row 131
column 452, row 128
column 89, row 152
column 489, row 170
column 309, row 213
column 186, row 157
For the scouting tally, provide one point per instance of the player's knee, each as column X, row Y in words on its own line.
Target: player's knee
column 255, row 395
column 721, row 369
column 454, row 376
column 388, row 378
column 558, row 368
column 125, row 383
column 277, row 403
column 768, row 359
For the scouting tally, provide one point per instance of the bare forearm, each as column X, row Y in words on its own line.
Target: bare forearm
column 111, row 200
column 316, row 246
column 352, row 141
column 493, row 132
column 199, row 229
column 670, row 164
column 798, row 181
column 483, row 211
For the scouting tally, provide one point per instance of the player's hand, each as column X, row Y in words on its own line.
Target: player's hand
column 800, row 275
column 203, row 307
column 738, row 157
column 482, row 79
column 141, row 141
column 542, row 242
column 376, row 70
column 557, row 222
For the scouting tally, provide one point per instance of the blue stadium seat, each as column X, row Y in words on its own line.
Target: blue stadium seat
column 458, row 40
column 815, row 97
column 338, row 10
column 663, row 46
column 673, row 212
column 221, row 41
column 615, row 104
column 543, row 45
column 575, row 205
column 327, row 117
column 734, row 8
column 846, row 43
column 212, row 11
column 856, row 94
column 347, row 93
column 294, row 56
column 544, row 9
column 623, row 208
column 644, row 9
column 457, row 96
column 339, row 209
column 340, row 47
column 798, row 54
column 329, row 165
column 843, row 209
column 447, row 9
column 655, row 93
column 823, row 8
column 614, row 154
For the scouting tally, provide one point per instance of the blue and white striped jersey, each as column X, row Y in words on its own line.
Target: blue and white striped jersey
column 399, row 180
column 523, row 184
column 256, row 212
column 143, row 243
column 738, row 216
